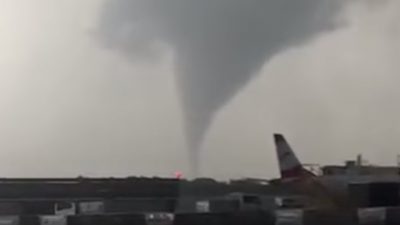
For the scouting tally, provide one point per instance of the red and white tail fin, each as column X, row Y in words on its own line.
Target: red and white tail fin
column 291, row 169
column 289, row 164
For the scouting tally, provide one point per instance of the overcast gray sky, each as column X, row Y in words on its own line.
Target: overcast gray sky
column 71, row 107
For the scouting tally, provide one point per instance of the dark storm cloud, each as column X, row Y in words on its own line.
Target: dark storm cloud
column 219, row 45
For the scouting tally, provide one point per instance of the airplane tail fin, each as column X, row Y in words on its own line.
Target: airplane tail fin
column 291, row 168
column 289, row 164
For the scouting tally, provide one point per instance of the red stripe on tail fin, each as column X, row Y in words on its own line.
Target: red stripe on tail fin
column 289, row 165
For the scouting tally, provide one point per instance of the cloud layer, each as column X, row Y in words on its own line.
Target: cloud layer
column 219, row 45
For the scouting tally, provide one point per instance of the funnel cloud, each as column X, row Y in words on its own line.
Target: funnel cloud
column 218, row 45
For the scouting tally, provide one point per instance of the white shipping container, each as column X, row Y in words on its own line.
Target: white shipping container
column 53, row 220
column 91, row 208
column 203, row 206
column 159, row 218
column 289, row 217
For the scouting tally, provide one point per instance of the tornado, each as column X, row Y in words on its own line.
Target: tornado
column 218, row 45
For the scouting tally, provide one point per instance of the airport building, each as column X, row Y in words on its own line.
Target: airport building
column 359, row 167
